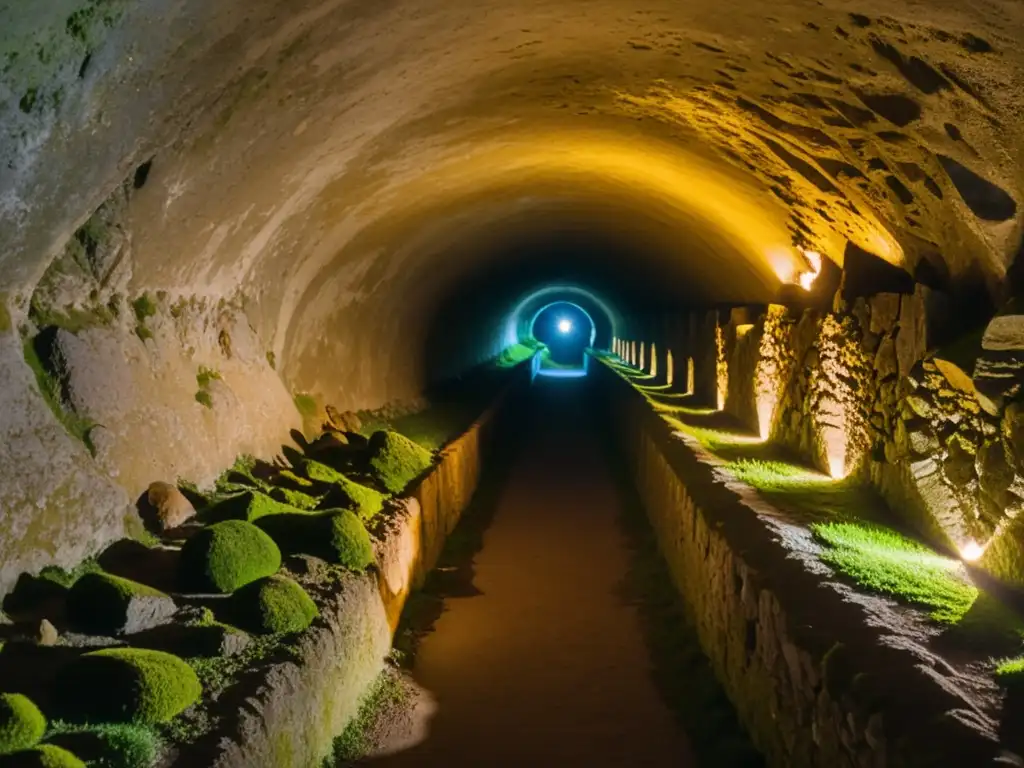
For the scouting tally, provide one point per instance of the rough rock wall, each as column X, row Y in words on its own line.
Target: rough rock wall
column 108, row 388
column 769, row 624
column 116, row 405
column 300, row 707
column 872, row 388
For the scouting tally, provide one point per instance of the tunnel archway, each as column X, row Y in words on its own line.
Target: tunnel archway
column 568, row 331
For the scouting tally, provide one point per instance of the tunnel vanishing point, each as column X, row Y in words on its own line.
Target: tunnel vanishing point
column 272, row 279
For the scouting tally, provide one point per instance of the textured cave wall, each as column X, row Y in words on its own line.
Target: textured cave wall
column 322, row 175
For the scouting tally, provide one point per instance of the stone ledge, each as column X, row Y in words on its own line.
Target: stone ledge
column 814, row 680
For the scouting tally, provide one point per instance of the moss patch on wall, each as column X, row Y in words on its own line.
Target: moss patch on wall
column 38, row 356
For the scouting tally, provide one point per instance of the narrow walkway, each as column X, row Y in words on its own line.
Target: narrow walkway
column 547, row 666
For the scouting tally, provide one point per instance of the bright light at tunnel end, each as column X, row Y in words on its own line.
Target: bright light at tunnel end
column 564, row 325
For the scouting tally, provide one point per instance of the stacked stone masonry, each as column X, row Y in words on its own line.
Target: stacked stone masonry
column 768, row 622
column 888, row 389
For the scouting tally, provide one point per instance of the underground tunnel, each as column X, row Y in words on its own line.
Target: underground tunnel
column 621, row 383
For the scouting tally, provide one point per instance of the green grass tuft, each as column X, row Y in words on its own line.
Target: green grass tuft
column 1010, row 672
column 883, row 561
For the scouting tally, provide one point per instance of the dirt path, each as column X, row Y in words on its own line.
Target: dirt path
column 547, row 666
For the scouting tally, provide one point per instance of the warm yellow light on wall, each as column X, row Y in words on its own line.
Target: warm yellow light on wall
column 743, row 330
column 815, row 262
column 971, row 550
column 654, row 360
column 690, row 383
column 643, row 346
column 722, row 367
column 670, row 371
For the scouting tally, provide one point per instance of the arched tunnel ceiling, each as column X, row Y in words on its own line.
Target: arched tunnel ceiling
column 334, row 158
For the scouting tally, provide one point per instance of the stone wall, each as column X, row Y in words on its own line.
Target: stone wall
column 887, row 388
column 299, row 707
column 804, row 669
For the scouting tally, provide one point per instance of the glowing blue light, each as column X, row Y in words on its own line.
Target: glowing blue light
column 564, row 325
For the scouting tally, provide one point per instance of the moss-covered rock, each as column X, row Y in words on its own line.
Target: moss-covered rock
column 227, row 556
column 22, row 725
column 273, row 605
column 250, row 506
column 124, row 685
column 296, row 499
column 364, row 501
column 44, row 756
column 345, row 540
column 346, row 493
column 337, row 536
column 102, row 603
column 288, row 479
column 396, row 461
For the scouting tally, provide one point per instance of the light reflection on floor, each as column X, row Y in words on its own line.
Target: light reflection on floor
column 563, row 373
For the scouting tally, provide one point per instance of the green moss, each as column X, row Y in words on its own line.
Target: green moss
column 288, row 479
column 396, row 461
column 272, row 359
column 516, row 353
column 346, row 541
column 46, row 756
column 386, row 694
column 249, row 506
column 67, row 578
column 127, row 685
column 226, row 556
column 880, row 560
column 21, row 723
column 336, row 536
column 72, row 319
column 51, row 389
column 206, row 376
column 144, row 308
column 98, row 602
column 6, row 325
column 365, row 502
column 110, row 745
column 273, row 605
column 306, row 406
column 295, row 499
